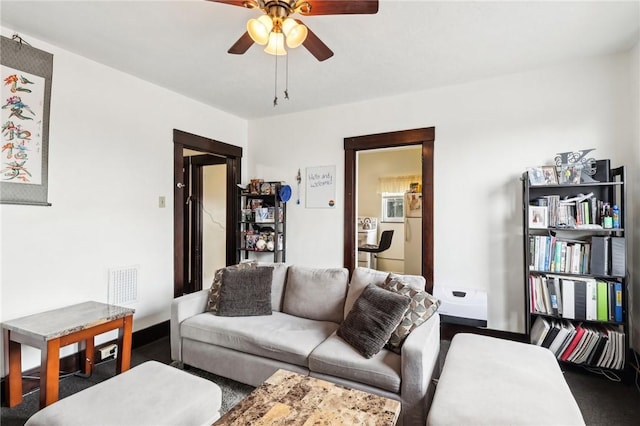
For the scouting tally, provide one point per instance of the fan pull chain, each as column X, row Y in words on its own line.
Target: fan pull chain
column 275, row 83
column 286, row 88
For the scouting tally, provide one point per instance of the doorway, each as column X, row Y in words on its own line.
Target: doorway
column 205, row 213
column 188, row 181
column 424, row 137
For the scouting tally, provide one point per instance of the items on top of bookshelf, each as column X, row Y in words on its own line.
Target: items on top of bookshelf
column 571, row 168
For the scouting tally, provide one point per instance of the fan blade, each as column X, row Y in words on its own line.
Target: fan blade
column 342, row 7
column 315, row 45
column 242, row 45
column 241, row 3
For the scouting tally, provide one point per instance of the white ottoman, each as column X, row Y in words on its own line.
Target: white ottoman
column 489, row 381
column 151, row 394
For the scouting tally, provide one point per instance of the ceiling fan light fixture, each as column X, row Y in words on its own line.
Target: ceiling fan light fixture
column 259, row 29
column 295, row 33
column 275, row 46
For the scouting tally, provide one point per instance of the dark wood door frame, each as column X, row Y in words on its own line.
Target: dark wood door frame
column 424, row 137
column 233, row 156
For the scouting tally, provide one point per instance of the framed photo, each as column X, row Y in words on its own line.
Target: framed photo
column 536, row 176
column 538, row 217
column 549, row 175
column 569, row 174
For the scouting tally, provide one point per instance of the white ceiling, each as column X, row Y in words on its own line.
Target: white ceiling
column 409, row 45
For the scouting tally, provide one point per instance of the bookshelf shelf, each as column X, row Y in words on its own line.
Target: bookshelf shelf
column 575, row 276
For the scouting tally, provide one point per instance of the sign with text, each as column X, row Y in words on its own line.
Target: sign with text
column 321, row 187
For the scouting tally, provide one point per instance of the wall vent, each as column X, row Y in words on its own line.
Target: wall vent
column 123, row 285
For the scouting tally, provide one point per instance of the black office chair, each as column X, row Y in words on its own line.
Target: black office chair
column 373, row 250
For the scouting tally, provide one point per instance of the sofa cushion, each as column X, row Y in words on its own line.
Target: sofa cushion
column 278, row 283
column 422, row 307
column 278, row 336
column 337, row 358
column 245, row 292
column 214, row 290
column 374, row 316
column 316, row 293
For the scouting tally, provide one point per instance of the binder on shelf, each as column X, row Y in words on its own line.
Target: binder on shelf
column 568, row 299
column 599, row 255
column 592, row 302
column 611, row 301
column 553, row 297
column 618, row 266
column 580, row 300
column 603, row 301
column 618, row 306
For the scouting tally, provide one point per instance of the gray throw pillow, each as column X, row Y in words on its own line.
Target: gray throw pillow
column 374, row 316
column 422, row 307
column 214, row 291
column 245, row 292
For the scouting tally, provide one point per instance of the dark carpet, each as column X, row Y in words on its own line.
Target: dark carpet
column 601, row 400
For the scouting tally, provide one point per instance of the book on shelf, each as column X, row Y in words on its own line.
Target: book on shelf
column 554, row 328
column 539, row 330
column 577, row 338
column 563, row 333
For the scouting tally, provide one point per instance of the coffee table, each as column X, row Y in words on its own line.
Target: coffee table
column 291, row 399
column 51, row 330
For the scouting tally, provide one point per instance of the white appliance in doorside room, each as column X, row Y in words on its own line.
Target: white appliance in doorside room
column 413, row 233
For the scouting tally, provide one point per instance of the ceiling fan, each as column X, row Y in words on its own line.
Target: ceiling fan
column 275, row 26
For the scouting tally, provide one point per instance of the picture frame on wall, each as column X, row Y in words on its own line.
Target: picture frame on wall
column 538, row 217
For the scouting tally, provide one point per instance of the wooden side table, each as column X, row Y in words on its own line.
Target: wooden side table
column 51, row 330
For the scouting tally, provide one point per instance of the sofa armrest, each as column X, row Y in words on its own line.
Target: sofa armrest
column 184, row 307
column 419, row 358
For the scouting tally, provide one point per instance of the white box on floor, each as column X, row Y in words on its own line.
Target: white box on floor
column 462, row 305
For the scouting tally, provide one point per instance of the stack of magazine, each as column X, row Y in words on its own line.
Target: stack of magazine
column 595, row 345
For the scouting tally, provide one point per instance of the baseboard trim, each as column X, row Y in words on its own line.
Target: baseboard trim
column 72, row 362
column 448, row 330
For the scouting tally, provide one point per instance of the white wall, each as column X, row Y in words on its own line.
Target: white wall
column 111, row 157
column 487, row 133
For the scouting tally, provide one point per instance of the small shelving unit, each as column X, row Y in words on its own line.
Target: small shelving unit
column 575, row 275
column 262, row 224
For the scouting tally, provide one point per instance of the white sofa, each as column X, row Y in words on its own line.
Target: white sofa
column 308, row 306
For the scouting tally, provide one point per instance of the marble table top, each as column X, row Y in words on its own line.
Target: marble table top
column 63, row 321
column 288, row 398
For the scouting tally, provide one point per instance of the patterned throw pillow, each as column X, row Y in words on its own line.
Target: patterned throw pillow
column 422, row 307
column 214, row 291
